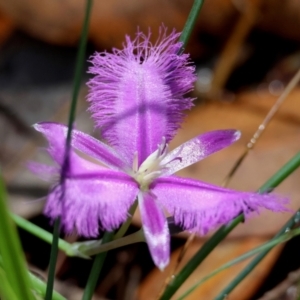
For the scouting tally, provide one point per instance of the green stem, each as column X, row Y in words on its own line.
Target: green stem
column 197, row 259
column 273, row 182
column 77, row 81
column 126, row 224
column 90, row 248
column 53, row 258
column 6, row 290
column 40, row 287
column 79, row 67
column 11, row 252
column 282, row 174
column 108, row 242
column 96, row 269
column 265, row 247
column 37, row 285
column 243, row 274
column 40, row 232
column 291, row 166
column 190, row 22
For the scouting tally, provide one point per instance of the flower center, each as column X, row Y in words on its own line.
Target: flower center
column 151, row 168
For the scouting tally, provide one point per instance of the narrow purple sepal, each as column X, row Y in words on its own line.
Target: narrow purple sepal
column 155, row 228
column 137, row 93
column 200, row 207
column 56, row 135
column 198, row 148
column 91, row 201
column 89, row 195
column 45, row 172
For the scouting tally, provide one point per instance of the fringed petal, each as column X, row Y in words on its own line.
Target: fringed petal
column 87, row 202
column 56, row 135
column 200, row 207
column 156, row 229
column 137, row 93
column 198, row 148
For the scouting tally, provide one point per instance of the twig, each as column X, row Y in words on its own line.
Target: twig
column 262, row 127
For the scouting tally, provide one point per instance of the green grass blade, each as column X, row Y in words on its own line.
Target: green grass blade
column 11, row 252
column 37, row 285
column 197, row 259
column 194, row 262
column 40, row 233
column 53, row 258
column 243, row 274
column 40, row 287
column 190, row 22
column 76, row 88
column 79, row 67
column 96, row 269
column 90, row 248
column 6, row 291
column 120, row 233
column 265, row 247
column 115, row 239
column 284, row 172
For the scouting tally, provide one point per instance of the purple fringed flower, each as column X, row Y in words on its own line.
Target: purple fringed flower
column 137, row 101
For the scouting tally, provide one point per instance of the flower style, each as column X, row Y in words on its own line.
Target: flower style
column 137, row 100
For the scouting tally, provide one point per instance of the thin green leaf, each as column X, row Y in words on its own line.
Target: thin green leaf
column 96, row 269
column 6, row 290
column 94, row 247
column 11, row 252
column 265, row 247
column 195, row 261
column 243, row 274
column 40, row 287
column 53, row 258
column 76, row 88
column 37, row 285
column 283, row 173
column 190, row 22
column 109, row 241
column 40, row 233
column 120, row 233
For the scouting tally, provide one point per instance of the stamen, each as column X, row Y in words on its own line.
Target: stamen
column 174, row 159
column 164, row 146
column 151, row 167
column 149, row 177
